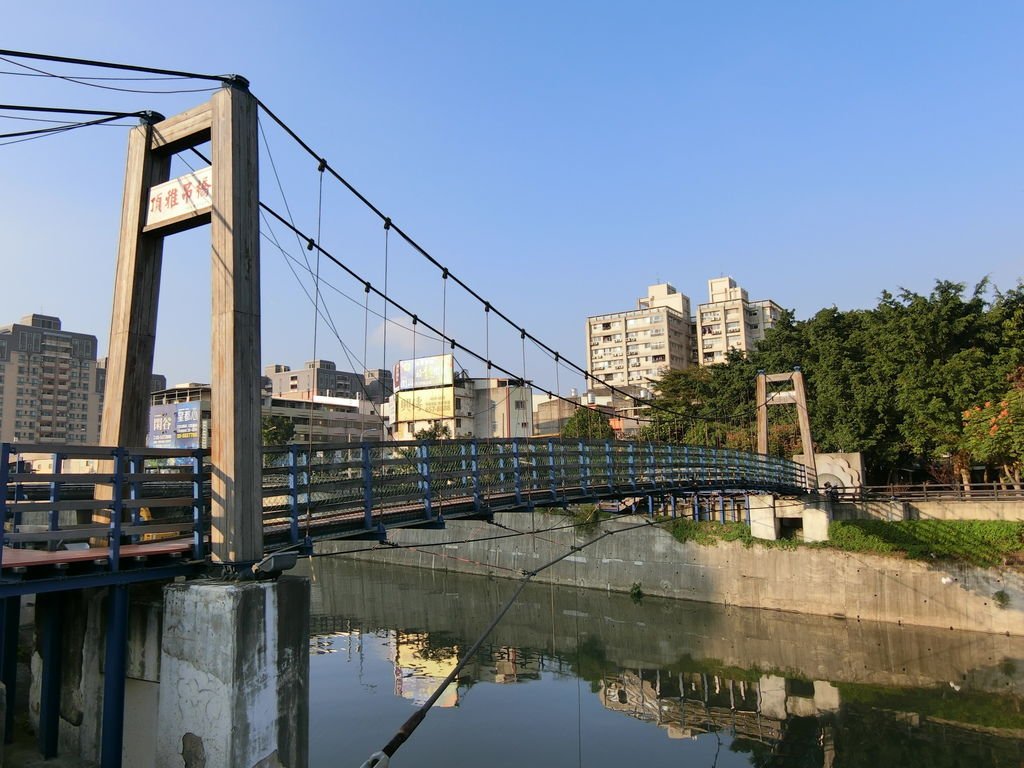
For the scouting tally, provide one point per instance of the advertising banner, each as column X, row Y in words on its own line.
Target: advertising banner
column 426, row 404
column 435, row 371
column 176, row 425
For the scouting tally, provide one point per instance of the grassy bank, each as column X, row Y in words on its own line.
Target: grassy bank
column 983, row 543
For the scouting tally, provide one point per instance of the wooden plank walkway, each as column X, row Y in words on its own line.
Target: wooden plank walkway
column 33, row 558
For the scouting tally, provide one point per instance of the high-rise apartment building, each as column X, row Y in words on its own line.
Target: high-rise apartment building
column 49, row 392
column 636, row 347
column 729, row 320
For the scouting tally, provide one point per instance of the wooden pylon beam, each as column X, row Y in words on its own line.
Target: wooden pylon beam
column 136, row 296
column 228, row 122
column 235, row 434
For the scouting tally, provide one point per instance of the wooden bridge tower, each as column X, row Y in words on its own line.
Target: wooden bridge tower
column 796, row 396
column 225, row 196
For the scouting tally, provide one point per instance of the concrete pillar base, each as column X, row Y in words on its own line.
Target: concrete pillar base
column 815, row 523
column 772, row 697
column 764, row 524
column 234, row 674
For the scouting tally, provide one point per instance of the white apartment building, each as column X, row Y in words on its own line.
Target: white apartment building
column 635, row 347
column 729, row 320
column 49, row 392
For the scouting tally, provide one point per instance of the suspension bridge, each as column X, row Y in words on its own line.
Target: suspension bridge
column 155, row 522
column 152, row 515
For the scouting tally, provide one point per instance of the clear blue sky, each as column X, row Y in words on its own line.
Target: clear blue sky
column 559, row 157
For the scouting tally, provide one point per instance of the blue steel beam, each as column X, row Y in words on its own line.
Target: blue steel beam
column 50, row 611
column 113, row 677
column 11, row 614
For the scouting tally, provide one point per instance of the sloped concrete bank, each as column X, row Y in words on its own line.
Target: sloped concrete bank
column 805, row 580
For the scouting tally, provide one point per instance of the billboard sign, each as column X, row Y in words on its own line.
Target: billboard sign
column 176, row 425
column 425, row 404
column 435, row 371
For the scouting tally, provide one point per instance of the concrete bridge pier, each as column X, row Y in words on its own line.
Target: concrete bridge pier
column 186, row 674
column 234, row 666
column 766, row 515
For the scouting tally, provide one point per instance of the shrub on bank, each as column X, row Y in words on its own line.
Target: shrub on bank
column 983, row 543
column 707, row 532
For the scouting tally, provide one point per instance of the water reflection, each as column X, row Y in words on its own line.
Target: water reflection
column 567, row 673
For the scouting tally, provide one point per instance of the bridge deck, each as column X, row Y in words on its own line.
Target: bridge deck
column 119, row 494
column 31, row 558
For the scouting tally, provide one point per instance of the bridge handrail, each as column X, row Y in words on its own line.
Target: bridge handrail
column 375, row 478
column 932, row 492
column 364, row 483
column 119, row 479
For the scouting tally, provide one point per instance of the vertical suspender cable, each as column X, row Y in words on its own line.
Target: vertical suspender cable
column 384, row 363
column 316, row 325
column 444, row 307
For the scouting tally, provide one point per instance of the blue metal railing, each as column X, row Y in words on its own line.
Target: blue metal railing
column 361, row 486
column 106, row 498
column 74, row 495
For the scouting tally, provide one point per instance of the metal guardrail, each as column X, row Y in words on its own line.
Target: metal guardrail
column 932, row 492
column 368, row 484
column 133, row 495
column 120, row 503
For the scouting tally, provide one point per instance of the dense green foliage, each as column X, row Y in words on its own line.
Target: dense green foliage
column 892, row 382
column 588, row 424
column 706, row 532
column 979, row 542
column 277, row 430
column 436, row 431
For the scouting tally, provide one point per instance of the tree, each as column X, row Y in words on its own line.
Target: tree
column 436, row 431
column 891, row 382
column 277, row 430
column 993, row 433
column 588, row 424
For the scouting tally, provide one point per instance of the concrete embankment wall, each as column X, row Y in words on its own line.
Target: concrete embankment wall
column 983, row 509
column 661, row 632
column 806, row 579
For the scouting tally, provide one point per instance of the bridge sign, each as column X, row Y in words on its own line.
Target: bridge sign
column 181, row 199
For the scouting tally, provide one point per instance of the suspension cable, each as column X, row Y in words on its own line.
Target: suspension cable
column 126, row 67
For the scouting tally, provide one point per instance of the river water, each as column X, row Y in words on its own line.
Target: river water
column 576, row 677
